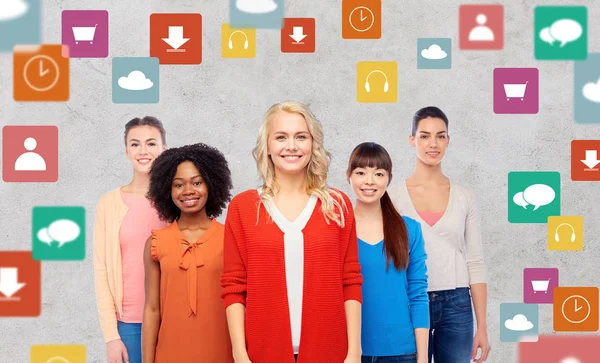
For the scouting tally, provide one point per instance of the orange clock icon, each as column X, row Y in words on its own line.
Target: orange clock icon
column 361, row 19
column 41, row 73
column 576, row 309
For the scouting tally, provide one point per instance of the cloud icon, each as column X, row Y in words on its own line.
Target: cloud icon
column 434, row 52
column 12, row 9
column 518, row 323
column 256, row 6
column 135, row 81
column 591, row 91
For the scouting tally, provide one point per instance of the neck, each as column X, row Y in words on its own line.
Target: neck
column 197, row 220
column 427, row 173
column 140, row 183
column 291, row 184
column 367, row 210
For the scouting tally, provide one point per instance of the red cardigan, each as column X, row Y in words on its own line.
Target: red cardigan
column 254, row 275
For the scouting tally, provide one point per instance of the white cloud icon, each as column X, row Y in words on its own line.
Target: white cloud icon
column 12, row 9
column 591, row 91
column 518, row 323
column 135, row 81
column 434, row 52
column 256, row 6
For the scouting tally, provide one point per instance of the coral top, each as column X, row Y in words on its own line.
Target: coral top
column 254, row 275
column 193, row 325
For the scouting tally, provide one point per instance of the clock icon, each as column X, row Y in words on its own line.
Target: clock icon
column 361, row 19
column 41, row 73
column 576, row 309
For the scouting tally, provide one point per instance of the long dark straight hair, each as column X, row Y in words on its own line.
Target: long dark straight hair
column 395, row 234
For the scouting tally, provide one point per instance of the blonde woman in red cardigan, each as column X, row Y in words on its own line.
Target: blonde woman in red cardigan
column 291, row 278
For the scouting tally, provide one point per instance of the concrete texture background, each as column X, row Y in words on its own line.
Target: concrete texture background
column 221, row 102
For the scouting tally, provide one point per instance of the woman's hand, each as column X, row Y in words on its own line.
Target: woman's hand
column 480, row 341
column 352, row 358
column 116, row 352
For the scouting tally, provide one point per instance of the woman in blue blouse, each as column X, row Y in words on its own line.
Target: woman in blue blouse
column 395, row 313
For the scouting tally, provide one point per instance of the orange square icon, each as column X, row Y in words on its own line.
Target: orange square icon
column 361, row 19
column 585, row 165
column 176, row 38
column 41, row 72
column 481, row 27
column 298, row 35
column 575, row 309
column 20, row 284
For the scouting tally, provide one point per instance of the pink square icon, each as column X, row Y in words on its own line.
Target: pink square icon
column 516, row 90
column 539, row 284
column 30, row 153
column 481, row 27
column 86, row 33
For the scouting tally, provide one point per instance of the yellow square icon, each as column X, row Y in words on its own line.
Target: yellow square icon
column 377, row 81
column 58, row 354
column 565, row 233
column 238, row 43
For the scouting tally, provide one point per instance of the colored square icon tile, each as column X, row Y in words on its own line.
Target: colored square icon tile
column 41, row 72
column 58, row 233
column 135, row 80
column 58, row 354
column 176, row 38
column 518, row 322
column 20, row 23
column 560, row 32
column 516, row 90
column 560, row 349
column 377, row 81
column 30, row 153
column 361, row 19
column 538, row 285
column 481, row 27
column 258, row 14
column 585, row 165
column 575, row 309
column 86, row 33
column 434, row 53
column 298, row 35
column 237, row 43
column 565, row 233
column 533, row 196
column 20, row 284
column 587, row 90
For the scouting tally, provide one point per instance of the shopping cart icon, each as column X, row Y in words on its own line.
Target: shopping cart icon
column 540, row 285
column 84, row 33
column 515, row 90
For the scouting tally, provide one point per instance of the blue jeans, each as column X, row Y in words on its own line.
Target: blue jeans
column 404, row 358
column 451, row 326
column 131, row 335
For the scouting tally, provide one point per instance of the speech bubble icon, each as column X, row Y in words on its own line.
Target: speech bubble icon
column 545, row 36
column 519, row 200
column 566, row 30
column 539, row 195
column 63, row 231
column 43, row 236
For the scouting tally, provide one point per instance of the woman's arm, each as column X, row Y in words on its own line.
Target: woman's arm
column 353, row 313
column 479, row 296
column 151, row 320
column 236, row 314
column 422, row 339
column 416, row 276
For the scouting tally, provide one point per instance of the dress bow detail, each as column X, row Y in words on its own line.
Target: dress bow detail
column 190, row 260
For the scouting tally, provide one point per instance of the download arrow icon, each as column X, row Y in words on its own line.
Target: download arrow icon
column 9, row 284
column 176, row 39
column 591, row 160
column 298, row 35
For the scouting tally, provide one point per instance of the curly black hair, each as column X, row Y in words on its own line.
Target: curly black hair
column 213, row 168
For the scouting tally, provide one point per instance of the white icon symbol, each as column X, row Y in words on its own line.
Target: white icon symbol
column 363, row 16
column 62, row 231
column 256, row 6
column 536, row 194
column 42, row 69
column 518, row 323
column 434, row 52
column 58, row 360
column 30, row 161
column 298, row 35
column 563, row 30
column 231, row 41
column 9, row 283
column 481, row 33
column 84, row 33
column 591, row 91
column 12, row 9
column 591, row 160
column 576, row 307
column 386, row 86
column 540, row 285
column 515, row 90
column 175, row 39
column 570, row 360
column 557, row 237
column 135, row 81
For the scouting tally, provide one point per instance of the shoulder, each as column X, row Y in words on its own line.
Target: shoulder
column 465, row 194
column 109, row 198
column 247, row 196
column 339, row 195
column 412, row 226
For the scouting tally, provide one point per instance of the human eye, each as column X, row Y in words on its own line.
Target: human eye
column 379, row 174
column 134, row 144
column 152, row 144
column 280, row 137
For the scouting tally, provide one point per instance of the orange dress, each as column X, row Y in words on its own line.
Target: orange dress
column 193, row 327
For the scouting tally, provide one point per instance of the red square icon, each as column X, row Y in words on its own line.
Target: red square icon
column 298, row 35
column 585, row 165
column 560, row 349
column 30, row 153
column 176, row 38
column 481, row 27
column 20, row 284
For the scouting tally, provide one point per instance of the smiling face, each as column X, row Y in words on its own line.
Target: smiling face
column 143, row 145
column 430, row 140
column 369, row 183
column 188, row 190
column 289, row 143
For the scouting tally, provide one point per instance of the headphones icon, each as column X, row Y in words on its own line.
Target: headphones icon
column 556, row 237
column 245, row 36
column 386, row 86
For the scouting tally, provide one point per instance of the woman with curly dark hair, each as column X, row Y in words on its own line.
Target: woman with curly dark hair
column 184, row 318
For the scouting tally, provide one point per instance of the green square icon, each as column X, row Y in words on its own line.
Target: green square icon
column 58, row 233
column 533, row 196
column 560, row 32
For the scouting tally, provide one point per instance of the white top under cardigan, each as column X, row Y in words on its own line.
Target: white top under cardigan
column 453, row 244
column 293, row 245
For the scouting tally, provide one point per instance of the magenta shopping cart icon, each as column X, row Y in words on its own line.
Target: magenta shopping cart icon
column 539, row 284
column 516, row 91
column 86, row 33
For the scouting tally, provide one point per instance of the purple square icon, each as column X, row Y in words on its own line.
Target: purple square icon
column 516, row 90
column 539, row 284
column 86, row 33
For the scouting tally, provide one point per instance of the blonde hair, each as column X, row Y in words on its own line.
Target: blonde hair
column 316, row 170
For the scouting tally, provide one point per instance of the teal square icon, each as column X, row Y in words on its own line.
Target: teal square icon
column 587, row 90
column 20, row 23
column 257, row 14
column 58, row 233
column 560, row 32
column 533, row 196
column 434, row 53
column 519, row 322
column 135, row 80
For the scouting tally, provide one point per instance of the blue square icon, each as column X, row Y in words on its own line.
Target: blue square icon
column 266, row 14
column 434, row 53
column 519, row 322
column 587, row 90
column 20, row 23
column 135, row 80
